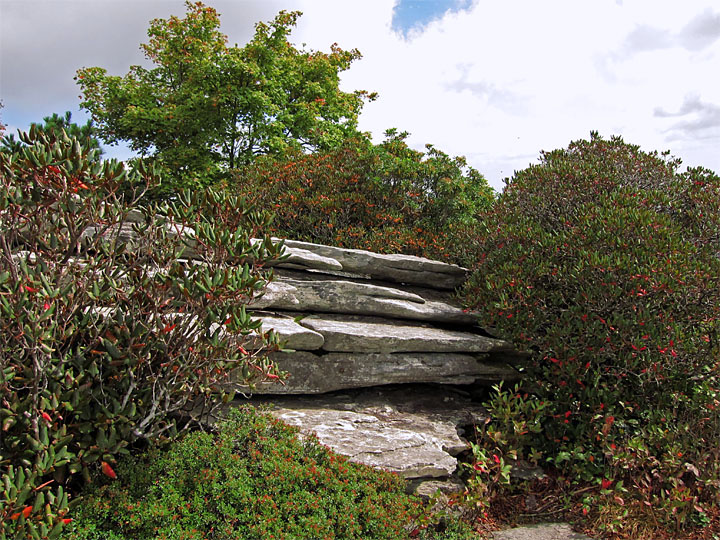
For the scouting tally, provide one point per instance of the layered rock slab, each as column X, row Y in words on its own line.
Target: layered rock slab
column 397, row 268
column 311, row 373
column 412, row 431
column 317, row 257
column 314, row 292
column 350, row 333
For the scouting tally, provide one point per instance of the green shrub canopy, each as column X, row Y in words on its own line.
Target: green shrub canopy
column 603, row 261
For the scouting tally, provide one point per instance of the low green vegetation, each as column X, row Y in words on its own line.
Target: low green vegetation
column 252, row 479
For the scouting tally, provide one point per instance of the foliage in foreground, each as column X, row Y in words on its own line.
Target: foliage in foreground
column 387, row 198
column 206, row 108
column 603, row 262
column 253, row 479
column 103, row 336
column 54, row 124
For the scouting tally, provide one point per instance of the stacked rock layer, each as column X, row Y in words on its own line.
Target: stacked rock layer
column 356, row 319
column 379, row 347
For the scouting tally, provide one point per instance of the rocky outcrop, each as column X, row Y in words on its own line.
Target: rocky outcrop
column 414, row 431
column 347, row 328
column 375, row 348
column 378, row 348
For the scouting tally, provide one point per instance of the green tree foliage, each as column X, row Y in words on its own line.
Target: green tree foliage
column 207, row 107
column 603, row 261
column 85, row 133
column 104, row 333
column 387, row 197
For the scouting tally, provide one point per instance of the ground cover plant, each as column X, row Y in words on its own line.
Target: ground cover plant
column 253, row 479
column 105, row 335
column 387, row 198
column 603, row 262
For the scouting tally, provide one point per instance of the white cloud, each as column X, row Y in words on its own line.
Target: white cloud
column 497, row 82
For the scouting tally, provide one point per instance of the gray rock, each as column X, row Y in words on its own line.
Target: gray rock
column 544, row 531
column 316, row 293
column 426, row 489
column 291, row 334
column 412, row 431
column 399, row 268
column 317, row 374
column 347, row 333
column 303, row 259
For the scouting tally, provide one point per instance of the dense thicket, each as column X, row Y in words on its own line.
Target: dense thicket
column 603, row 261
column 102, row 336
column 388, row 197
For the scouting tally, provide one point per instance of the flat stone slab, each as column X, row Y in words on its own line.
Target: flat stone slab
column 544, row 531
column 316, row 374
column 411, row 430
column 398, row 268
column 348, row 333
column 292, row 335
column 296, row 291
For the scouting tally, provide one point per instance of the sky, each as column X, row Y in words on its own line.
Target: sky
column 494, row 81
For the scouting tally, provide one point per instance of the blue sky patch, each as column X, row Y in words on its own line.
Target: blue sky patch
column 414, row 14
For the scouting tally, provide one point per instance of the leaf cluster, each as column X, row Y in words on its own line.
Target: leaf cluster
column 112, row 320
column 602, row 261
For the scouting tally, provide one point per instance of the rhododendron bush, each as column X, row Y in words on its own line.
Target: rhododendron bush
column 387, row 198
column 102, row 337
column 603, row 261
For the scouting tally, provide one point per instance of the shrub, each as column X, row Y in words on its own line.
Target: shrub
column 253, row 479
column 603, row 261
column 104, row 333
column 387, row 198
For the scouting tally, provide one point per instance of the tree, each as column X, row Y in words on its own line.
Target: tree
column 206, row 107
column 85, row 134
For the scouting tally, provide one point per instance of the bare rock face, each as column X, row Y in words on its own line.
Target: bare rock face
column 412, row 431
column 311, row 373
column 397, row 268
column 349, row 333
column 325, row 293
column 542, row 531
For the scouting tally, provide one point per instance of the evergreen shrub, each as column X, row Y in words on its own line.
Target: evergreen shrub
column 104, row 332
column 254, row 478
column 386, row 198
column 603, row 261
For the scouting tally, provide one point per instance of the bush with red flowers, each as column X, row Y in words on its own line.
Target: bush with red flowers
column 387, row 198
column 603, row 261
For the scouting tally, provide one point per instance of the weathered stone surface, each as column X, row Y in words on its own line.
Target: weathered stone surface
column 426, row 489
column 321, row 293
column 399, row 268
column 317, row 374
column 291, row 334
column 544, row 531
column 347, row 333
column 411, row 430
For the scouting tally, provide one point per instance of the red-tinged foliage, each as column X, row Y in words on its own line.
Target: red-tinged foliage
column 386, row 198
column 603, row 262
column 107, row 470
